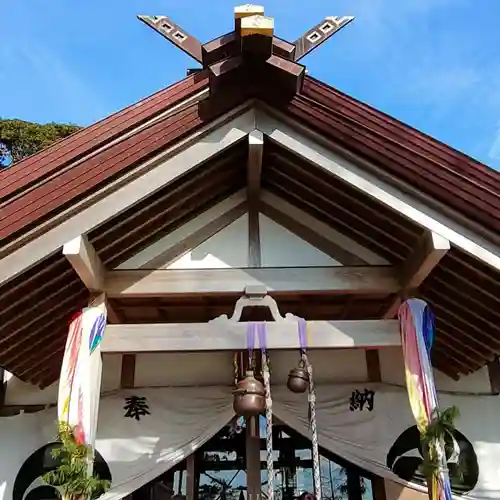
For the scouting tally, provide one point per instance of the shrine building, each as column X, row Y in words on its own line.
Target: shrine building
column 243, row 232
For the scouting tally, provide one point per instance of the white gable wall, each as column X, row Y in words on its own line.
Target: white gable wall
column 229, row 248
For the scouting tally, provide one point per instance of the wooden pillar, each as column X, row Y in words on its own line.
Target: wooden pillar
column 253, row 458
column 378, row 488
column 190, row 477
column 3, row 387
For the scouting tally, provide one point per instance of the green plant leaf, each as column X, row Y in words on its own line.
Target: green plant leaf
column 71, row 477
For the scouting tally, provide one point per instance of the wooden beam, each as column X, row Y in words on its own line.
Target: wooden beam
column 223, row 335
column 337, row 245
column 86, row 263
column 159, row 171
column 189, row 235
column 168, row 282
column 127, row 376
column 254, row 171
column 429, row 252
column 3, row 388
column 373, row 369
column 228, row 45
column 174, row 34
column 191, row 477
column 426, row 256
column 225, row 72
column 494, row 376
column 309, row 146
column 319, row 34
column 288, row 75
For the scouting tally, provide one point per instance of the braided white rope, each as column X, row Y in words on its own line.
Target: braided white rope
column 314, row 430
column 269, row 426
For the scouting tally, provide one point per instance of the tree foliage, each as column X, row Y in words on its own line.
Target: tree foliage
column 19, row 139
column 71, row 476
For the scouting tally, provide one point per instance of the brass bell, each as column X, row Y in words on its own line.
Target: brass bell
column 249, row 397
column 298, row 378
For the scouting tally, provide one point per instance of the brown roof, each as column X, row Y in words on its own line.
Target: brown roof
column 35, row 308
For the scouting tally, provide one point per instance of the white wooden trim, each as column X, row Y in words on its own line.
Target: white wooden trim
column 85, row 261
column 224, row 335
column 178, row 242
column 171, row 164
column 347, row 280
column 323, row 229
column 414, row 210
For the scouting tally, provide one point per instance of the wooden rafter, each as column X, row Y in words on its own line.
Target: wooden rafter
column 86, row 263
column 165, row 282
column 311, row 150
column 224, row 335
column 170, row 164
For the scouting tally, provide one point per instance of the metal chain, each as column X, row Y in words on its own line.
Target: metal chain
column 269, row 426
column 236, row 368
column 314, row 430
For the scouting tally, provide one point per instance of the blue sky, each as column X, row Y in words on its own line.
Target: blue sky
column 430, row 63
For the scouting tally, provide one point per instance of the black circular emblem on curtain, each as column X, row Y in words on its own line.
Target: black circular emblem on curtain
column 405, row 458
column 41, row 462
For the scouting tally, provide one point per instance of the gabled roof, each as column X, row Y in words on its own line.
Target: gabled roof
column 39, row 193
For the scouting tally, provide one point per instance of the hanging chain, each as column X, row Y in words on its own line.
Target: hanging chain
column 269, row 426
column 314, row 429
column 236, row 368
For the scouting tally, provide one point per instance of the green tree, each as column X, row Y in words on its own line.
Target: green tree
column 19, row 139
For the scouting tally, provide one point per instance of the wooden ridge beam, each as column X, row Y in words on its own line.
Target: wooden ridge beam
column 418, row 266
column 86, row 263
column 224, row 335
column 168, row 282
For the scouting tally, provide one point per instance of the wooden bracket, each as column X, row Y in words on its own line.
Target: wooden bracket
column 86, row 263
column 175, row 34
column 426, row 256
column 319, row 34
column 494, row 375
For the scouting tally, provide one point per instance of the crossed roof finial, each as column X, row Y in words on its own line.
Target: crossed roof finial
column 251, row 46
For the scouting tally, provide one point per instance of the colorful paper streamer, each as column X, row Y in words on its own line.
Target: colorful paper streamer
column 417, row 336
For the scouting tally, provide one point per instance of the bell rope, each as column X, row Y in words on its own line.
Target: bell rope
column 302, row 327
column 269, row 411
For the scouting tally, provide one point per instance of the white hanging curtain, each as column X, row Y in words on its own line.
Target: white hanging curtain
column 368, row 438
column 136, row 451
column 183, row 419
